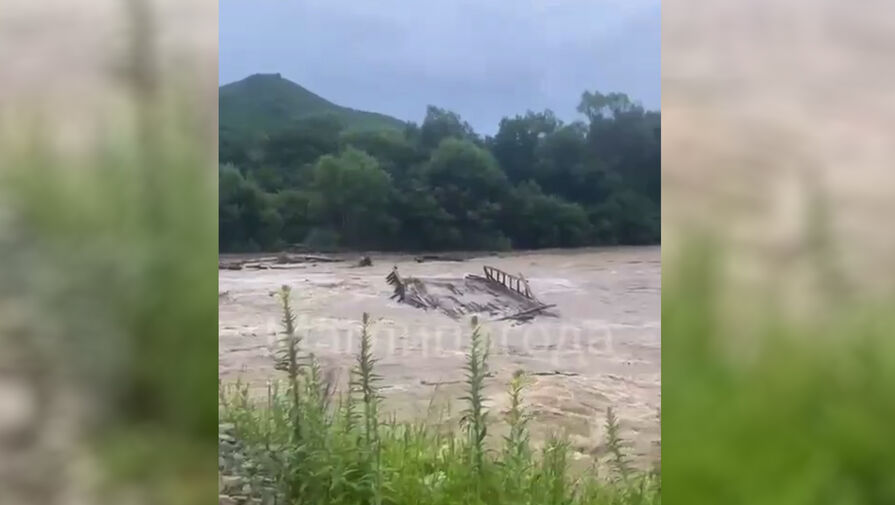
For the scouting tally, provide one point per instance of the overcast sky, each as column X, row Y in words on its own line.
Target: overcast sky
column 484, row 59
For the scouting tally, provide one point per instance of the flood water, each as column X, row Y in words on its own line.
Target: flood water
column 602, row 350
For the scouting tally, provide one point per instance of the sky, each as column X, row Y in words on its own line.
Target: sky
column 483, row 59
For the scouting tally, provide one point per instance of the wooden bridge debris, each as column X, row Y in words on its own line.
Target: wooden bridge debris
column 517, row 284
column 496, row 293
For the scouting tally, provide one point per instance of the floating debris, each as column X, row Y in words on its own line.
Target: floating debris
column 497, row 293
column 437, row 257
column 282, row 260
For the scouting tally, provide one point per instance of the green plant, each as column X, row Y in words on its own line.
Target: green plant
column 364, row 383
column 517, row 449
column 288, row 357
column 475, row 415
column 614, row 442
column 555, row 483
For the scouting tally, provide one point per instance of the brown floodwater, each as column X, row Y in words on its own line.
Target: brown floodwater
column 602, row 349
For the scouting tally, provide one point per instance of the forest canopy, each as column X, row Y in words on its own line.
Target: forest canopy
column 345, row 179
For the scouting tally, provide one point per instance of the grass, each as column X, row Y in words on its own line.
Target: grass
column 328, row 449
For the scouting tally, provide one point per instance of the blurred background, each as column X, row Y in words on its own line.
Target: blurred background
column 779, row 253
column 108, row 246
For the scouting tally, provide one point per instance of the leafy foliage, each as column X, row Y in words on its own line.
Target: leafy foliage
column 320, row 179
column 475, row 416
column 350, row 194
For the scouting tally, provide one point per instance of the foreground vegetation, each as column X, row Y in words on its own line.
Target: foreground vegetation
column 107, row 299
column 324, row 449
column 777, row 411
column 329, row 180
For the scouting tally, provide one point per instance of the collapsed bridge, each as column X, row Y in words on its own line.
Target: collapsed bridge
column 496, row 293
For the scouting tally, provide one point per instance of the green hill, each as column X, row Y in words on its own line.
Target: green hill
column 268, row 102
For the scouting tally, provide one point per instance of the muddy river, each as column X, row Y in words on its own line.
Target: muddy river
column 601, row 349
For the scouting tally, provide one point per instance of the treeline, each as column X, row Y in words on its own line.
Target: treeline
column 536, row 183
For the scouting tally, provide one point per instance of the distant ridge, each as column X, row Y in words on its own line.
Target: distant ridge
column 269, row 102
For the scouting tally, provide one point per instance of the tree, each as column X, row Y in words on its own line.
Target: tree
column 626, row 218
column 395, row 153
column 290, row 153
column 563, row 167
column 247, row 218
column 350, row 194
column 294, row 207
column 626, row 138
column 516, row 143
column 597, row 106
column 424, row 223
column 536, row 220
column 441, row 124
column 536, row 183
column 468, row 184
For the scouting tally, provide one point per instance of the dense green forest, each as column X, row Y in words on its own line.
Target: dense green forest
column 297, row 169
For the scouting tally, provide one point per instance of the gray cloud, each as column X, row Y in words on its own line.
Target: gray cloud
column 484, row 59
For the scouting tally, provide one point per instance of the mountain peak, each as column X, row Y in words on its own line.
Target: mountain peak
column 269, row 102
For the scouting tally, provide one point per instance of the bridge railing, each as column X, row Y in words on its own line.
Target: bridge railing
column 512, row 282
